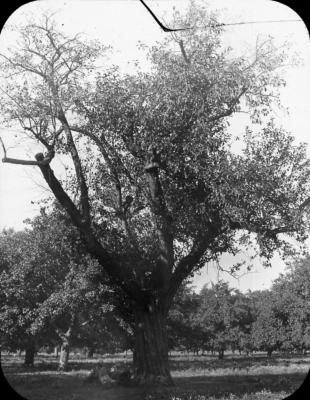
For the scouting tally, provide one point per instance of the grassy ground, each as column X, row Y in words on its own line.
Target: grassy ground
column 195, row 377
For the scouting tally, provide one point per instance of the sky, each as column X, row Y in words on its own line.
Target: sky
column 123, row 24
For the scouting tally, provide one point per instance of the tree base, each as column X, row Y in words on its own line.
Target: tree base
column 151, row 380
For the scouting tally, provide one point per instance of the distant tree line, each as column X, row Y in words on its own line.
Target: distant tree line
column 50, row 296
column 220, row 318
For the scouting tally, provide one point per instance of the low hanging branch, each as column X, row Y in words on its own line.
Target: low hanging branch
column 117, row 273
column 43, row 160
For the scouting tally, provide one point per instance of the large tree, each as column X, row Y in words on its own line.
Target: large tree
column 154, row 189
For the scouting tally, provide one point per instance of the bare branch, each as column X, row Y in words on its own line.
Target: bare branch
column 231, row 106
column 24, row 67
column 188, row 263
column 102, row 146
column 39, row 137
column 41, row 159
column 181, row 44
column 4, row 149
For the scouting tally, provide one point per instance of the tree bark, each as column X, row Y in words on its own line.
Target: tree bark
column 56, row 350
column 29, row 354
column 150, row 356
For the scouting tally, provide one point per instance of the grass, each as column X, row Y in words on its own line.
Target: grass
column 195, row 377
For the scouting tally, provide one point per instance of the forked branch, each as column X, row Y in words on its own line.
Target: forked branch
column 40, row 158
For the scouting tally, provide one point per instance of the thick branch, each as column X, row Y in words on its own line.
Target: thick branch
column 231, row 107
column 101, row 143
column 181, row 44
column 163, row 220
column 23, row 162
column 118, row 274
column 111, row 162
column 305, row 204
column 187, row 264
column 272, row 233
column 84, row 198
column 43, row 160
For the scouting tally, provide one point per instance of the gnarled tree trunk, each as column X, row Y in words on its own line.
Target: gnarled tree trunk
column 65, row 346
column 64, row 355
column 150, row 357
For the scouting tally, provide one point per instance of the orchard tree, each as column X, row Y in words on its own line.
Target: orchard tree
column 268, row 330
column 292, row 291
column 220, row 316
column 18, row 297
column 45, row 285
column 103, row 330
column 154, row 189
column 245, row 312
column 184, row 331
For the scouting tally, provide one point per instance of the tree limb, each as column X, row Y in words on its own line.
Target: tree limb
column 119, row 275
column 84, row 198
column 187, row 264
column 163, row 219
column 231, row 107
column 43, row 160
column 181, row 44
column 102, row 146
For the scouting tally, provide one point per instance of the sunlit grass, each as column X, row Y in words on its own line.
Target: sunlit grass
column 196, row 378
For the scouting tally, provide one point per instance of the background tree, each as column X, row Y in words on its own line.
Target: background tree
column 217, row 316
column 242, row 318
column 138, row 142
column 184, row 332
column 292, row 293
column 44, row 285
column 268, row 330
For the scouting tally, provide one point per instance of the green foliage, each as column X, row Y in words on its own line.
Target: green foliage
column 225, row 316
column 268, row 332
column 220, row 318
column 46, row 285
column 293, row 290
column 181, row 108
column 183, row 332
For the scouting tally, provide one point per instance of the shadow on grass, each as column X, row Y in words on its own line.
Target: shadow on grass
column 204, row 375
column 235, row 362
column 61, row 386
column 241, row 384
